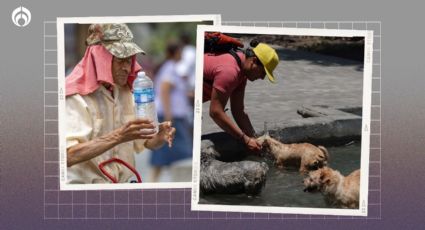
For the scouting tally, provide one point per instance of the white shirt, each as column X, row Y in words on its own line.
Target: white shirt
column 179, row 101
column 186, row 66
column 94, row 115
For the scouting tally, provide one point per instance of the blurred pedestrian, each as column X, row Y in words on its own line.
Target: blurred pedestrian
column 186, row 69
column 172, row 105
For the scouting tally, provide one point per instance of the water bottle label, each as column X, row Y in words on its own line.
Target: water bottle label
column 144, row 95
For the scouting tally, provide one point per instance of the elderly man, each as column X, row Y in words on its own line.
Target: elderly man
column 102, row 132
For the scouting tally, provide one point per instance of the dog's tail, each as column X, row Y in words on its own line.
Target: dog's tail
column 325, row 151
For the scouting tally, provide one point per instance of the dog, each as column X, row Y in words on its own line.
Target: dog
column 247, row 177
column 307, row 156
column 339, row 191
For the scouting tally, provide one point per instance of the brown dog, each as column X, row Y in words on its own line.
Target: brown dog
column 308, row 156
column 339, row 191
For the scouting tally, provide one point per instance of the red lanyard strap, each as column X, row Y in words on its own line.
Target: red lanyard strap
column 114, row 180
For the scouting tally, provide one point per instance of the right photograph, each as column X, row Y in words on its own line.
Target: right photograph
column 284, row 117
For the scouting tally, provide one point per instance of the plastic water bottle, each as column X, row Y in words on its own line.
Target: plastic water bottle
column 144, row 98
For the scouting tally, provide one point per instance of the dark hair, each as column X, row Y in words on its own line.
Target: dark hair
column 172, row 48
column 249, row 52
column 185, row 38
column 254, row 43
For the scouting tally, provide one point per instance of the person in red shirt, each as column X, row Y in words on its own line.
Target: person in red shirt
column 225, row 79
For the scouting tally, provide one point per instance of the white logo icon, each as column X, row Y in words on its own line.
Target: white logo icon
column 21, row 16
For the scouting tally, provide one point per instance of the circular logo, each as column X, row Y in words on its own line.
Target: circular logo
column 21, row 16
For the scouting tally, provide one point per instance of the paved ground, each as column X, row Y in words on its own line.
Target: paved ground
column 303, row 78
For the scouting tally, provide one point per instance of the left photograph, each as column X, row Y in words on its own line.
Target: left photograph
column 126, row 92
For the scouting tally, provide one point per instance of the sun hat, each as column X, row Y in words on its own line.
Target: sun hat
column 93, row 70
column 268, row 57
column 117, row 38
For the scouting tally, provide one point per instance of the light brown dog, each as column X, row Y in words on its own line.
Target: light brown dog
column 307, row 156
column 339, row 191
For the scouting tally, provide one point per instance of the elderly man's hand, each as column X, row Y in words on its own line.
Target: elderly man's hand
column 136, row 129
column 167, row 132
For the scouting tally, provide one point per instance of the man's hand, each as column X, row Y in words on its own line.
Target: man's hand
column 252, row 144
column 166, row 132
column 136, row 129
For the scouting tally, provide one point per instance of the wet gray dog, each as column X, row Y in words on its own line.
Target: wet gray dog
column 231, row 177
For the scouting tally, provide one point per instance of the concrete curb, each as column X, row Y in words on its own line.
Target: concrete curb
column 322, row 125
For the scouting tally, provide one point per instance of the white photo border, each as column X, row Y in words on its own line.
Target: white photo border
column 60, row 23
column 366, row 119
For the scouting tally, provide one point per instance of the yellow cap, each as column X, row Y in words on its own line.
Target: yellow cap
column 268, row 57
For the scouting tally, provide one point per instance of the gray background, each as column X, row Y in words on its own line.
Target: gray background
column 403, row 109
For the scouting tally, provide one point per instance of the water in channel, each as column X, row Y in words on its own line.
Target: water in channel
column 284, row 187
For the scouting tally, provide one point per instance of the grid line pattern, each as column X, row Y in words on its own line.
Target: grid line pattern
column 159, row 204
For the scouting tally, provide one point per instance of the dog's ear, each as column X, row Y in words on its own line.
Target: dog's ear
column 325, row 152
column 324, row 179
column 327, row 181
column 325, row 176
column 265, row 142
